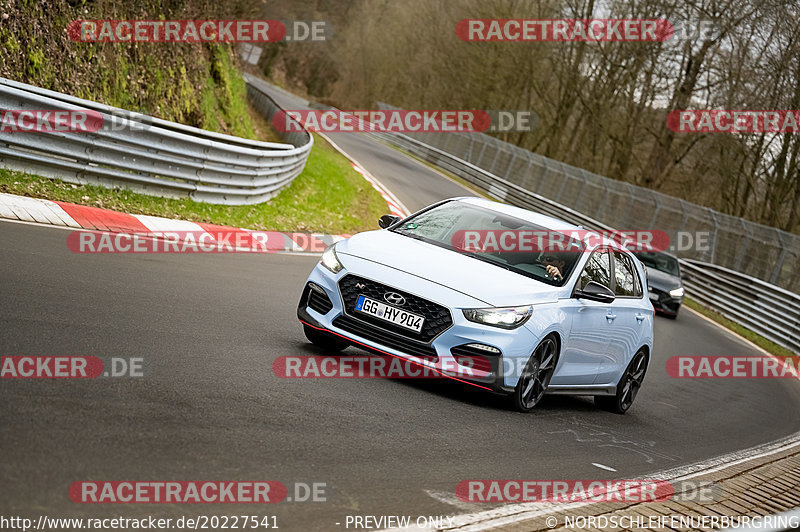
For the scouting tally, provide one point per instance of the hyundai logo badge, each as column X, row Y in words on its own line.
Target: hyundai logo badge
column 394, row 298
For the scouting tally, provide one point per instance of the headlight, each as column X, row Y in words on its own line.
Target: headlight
column 506, row 317
column 330, row 260
column 678, row 292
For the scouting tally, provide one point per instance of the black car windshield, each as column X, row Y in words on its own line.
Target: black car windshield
column 661, row 262
column 499, row 239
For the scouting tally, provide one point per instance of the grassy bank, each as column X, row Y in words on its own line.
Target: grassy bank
column 328, row 197
column 191, row 83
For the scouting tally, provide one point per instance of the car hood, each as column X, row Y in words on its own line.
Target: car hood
column 662, row 280
column 493, row 285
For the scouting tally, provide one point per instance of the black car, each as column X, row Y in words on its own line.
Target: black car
column 663, row 282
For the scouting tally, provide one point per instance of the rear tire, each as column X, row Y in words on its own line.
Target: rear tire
column 535, row 378
column 628, row 387
column 324, row 340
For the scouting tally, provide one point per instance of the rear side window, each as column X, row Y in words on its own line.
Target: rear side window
column 597, row 269
column 627, row 282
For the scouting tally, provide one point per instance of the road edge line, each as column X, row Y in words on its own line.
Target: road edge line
column 383, row 190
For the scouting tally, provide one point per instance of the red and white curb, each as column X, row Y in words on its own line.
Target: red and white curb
column 395, row 207
column 64, row 214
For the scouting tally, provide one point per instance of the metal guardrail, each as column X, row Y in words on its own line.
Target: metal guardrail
column 150, row 155
column 769, row 310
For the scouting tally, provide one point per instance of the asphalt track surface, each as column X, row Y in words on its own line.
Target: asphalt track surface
column 210, row 408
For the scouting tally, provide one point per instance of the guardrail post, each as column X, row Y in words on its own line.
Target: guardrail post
column 776, row 272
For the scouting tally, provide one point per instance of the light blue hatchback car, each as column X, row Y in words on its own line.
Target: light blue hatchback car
column 493, row 295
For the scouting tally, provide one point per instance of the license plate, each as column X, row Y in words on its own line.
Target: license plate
column 388, row 313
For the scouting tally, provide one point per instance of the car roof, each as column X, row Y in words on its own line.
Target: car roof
column 548, row 222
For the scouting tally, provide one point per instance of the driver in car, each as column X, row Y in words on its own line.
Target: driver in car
column 553, row 263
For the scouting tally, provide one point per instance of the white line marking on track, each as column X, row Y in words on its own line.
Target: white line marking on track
column 666, row 404
column 451, row 499
column 601, row 466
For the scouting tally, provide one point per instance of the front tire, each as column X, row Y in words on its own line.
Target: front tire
column 535, row 378
column 628, row 387
column 326, row 341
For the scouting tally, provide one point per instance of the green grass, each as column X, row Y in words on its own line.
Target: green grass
column 327, row 197
column 760, row 341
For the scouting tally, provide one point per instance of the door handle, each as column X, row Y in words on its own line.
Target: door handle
column 640, row 318
column 611, row 316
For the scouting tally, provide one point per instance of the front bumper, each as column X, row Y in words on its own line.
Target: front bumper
column 447, row 353
column 663, row 302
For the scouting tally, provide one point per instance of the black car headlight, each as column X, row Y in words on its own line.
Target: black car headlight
column 503, row 317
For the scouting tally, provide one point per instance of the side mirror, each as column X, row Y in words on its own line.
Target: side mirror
column 388, row 220
column 596, row 292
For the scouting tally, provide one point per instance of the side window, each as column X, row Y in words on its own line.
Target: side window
column 627, row 280
column 597, row 269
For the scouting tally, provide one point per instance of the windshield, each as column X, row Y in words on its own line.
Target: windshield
column 499, row 239
column 661, row 262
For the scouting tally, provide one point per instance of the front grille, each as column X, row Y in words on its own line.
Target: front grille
column 385, row 338
column 317, row 301
column 437, row 317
